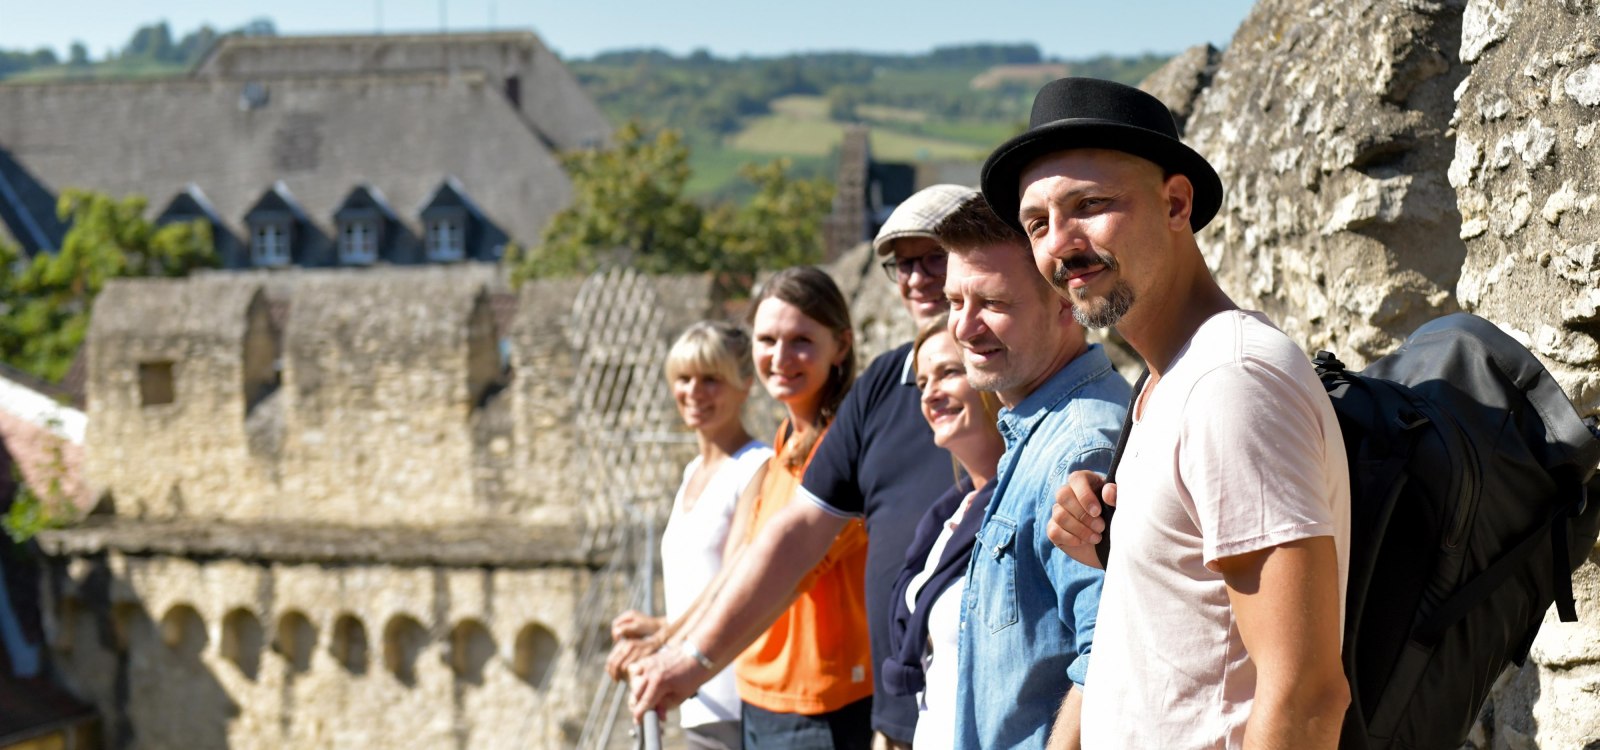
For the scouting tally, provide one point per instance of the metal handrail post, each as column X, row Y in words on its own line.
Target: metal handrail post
column 650, row 732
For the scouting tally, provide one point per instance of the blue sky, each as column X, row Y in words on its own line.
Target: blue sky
column 578, row 28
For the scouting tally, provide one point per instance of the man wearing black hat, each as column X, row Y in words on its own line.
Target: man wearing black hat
column 1222, row 611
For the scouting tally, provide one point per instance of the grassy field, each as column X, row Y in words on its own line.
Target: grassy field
column 801, row 107
column 931, row 81
column 985, row 134
column 886, row 114
column 716, row 169
column 119, row 70
column 800, row 126
column 779, row 135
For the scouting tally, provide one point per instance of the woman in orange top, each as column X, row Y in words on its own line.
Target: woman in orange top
column 807, row 681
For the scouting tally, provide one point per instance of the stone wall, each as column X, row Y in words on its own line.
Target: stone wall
column 1389, row 161
column 415, row 459
column 1328, row 125
column 385, row 397
column 377, row 394
column 166, row 390
column 178, row 652
column 1524, row 173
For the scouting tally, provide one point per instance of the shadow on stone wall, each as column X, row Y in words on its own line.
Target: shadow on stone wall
column 157, row 669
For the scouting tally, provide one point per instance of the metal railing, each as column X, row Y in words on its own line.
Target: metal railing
column 630, row 460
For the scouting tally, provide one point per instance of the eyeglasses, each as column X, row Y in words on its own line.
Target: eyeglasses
column 900, row 269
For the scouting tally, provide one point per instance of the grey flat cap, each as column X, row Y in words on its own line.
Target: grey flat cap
column 920, row 213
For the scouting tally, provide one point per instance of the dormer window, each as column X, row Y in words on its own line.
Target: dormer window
column 365, row 223
column 358, row 242
column 453, row 229
column 446, row 239
column 269, row 245
column 276, row 223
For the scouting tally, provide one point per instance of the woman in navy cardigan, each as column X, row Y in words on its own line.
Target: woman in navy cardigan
column 927, row 598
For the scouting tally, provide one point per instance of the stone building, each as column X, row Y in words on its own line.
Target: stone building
column 314, row 151
column 866, row 191
column 377, row 509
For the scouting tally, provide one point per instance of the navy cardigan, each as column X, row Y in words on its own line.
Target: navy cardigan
column 901, row 671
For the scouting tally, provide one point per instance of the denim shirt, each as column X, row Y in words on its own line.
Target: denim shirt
column 1027, row 617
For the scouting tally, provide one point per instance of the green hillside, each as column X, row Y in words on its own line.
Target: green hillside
column 950, row 104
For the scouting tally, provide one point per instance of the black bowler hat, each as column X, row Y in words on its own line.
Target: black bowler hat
column 1090, row 113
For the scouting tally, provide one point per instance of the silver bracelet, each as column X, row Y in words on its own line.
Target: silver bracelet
column 690, row 651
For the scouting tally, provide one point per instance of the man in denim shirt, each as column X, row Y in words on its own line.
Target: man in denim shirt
column 1027, row 620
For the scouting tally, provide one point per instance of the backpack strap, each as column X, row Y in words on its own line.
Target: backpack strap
column 1560, row 548
column 1561, row 559
column 1103, row 549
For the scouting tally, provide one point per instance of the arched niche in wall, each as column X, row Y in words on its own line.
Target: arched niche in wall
column 128, row 622
column 295, row 640
column 184, row 632
column 403, row 640
column 263, row 352
column 242, row 640
column 536, row 652
column 471, row 648
column 487, row 368
column 348, row 645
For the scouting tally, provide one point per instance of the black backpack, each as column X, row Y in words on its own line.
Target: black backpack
column 1469, row 471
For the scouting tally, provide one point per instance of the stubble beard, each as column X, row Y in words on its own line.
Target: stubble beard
column 991, row 380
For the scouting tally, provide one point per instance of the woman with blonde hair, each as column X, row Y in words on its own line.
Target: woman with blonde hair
column 710, row 371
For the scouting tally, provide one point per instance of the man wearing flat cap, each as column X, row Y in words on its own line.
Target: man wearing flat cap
column 1222, row 612
column 878, row 462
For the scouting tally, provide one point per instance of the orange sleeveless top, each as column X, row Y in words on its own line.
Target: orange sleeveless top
column 816, row 657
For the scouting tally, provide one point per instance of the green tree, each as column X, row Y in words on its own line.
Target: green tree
column 194, row 44
column 778, row 227
column 46, row 302
column 629, row 204
column 153, row 42
column 627, row 199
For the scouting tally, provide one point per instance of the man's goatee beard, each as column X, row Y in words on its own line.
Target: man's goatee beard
column 1115, row 306
column 1106, row 314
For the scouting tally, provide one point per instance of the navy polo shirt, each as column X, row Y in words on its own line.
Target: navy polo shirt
column 878, row 462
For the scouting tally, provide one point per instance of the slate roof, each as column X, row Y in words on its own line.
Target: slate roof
column 403, row 114
column 319, row 135
column 27, row 209
column 549, row 96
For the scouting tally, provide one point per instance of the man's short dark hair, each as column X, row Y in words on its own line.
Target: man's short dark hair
column 974, row 226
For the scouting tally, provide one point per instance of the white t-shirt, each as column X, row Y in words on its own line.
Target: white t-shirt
column 691, row 555
column 1237, row 450
column 936, row 704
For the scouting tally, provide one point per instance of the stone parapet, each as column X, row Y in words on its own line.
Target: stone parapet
column 497, row 545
